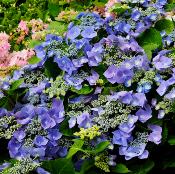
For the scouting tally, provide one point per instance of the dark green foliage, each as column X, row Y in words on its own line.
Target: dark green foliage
column 59, row 166
column 150, row 40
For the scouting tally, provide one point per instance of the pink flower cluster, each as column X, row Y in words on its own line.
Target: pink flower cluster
column 37, row 25
column 7, row 58
column 109, row 4
column 20, row 58
column 23, row 27
column 4, row 44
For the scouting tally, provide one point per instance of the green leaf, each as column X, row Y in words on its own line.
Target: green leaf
column 99, row 4
column 51, row 68
column 150, row 40
column 59, row 166
column 34, row 60
column 77, row 146
column 3, row 101
column 121, row 168
column 101, row 146
column 33, row 43
column 148, row 48
column 169, row 163
column 87, row 164
column 119, row 8
column 58, row 27
column 166, row 25
column 144, row 168
column 64, row 128
column 171, row 141
column 164, row 133
column 54, row 8
column 170, row 7
column 16, row 84
column 86, row 89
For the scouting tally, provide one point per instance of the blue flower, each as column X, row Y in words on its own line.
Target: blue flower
column 133, row 151
column 135, row 15
column 95, row 55
column 161, row 114
column 89, row 33
column 40, row 52
column 74, row 81
column 46, row 121
column 162, row 88
column 65, row 64
column 155, row 136
column 25, row 115
column 138, row 99
column 93, row 79
column 73, row 33
column 4, row 166
column 14, row 146
column 19, row 135
column 51, row 37
column 162, row 62
column 144, row 114
column 120, row 138
column 40, row 140
column 84, row 120
column 72, row 121
column 118, row 75
column 123, row 27
column 54, row 134
column 41, row 171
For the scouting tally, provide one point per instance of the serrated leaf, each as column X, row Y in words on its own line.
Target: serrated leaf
column 171, row 141
column 121, row 168
column 77, row 146
column 101, row 146
column 34, row 60
column 165, row 24
column 59, row 166
column 15, row 85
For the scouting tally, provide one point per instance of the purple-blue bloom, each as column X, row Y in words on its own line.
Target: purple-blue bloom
column 89, row 33
column 118, row 75
column 84, row 120
column 156, row 134
column 144, row 114
column 65, row 64
column 74, row 32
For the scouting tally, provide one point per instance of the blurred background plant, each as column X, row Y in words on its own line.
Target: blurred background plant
column 13, row 11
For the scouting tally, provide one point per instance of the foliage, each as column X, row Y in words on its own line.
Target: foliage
column 98, row 94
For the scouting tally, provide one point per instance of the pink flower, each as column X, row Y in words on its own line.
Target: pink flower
column 109, row 4
column 20, row 58
column 4, row 45
column 23, row 27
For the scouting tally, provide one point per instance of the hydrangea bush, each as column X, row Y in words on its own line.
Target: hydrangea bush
column 99, row 99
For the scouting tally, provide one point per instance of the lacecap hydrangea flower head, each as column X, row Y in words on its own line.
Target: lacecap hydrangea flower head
column 98, row 90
